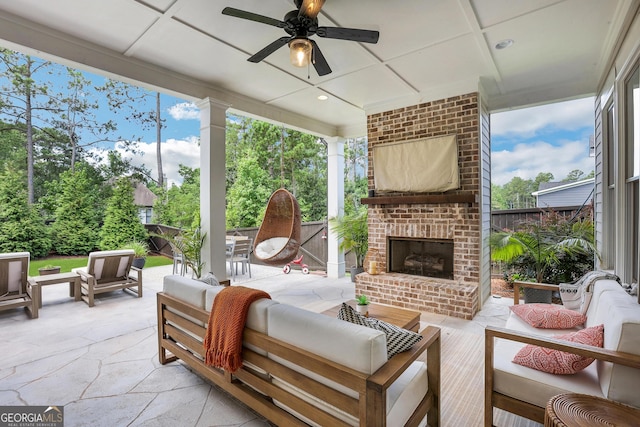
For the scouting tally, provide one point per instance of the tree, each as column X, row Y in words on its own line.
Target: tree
column 78, row 119
column 21, row 227
column 574, row 175
column 179, row 206
column 134, row 101
column 246, row 208
column 121, row 222
column 25, row 98
column 77, row 213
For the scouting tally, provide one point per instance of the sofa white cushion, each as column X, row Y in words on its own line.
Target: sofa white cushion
column 186, row 289
column 535, row 387
column 620, row 314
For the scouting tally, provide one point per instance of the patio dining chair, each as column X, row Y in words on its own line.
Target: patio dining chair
column 241, row 255
column 108, row 271
column 15, row 290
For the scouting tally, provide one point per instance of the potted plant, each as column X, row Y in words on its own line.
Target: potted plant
column 49, row 269
column 362, row 304
column 140, row 250
column 353, row 230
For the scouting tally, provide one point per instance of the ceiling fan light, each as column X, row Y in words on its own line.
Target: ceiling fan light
column 300, row 52
column 311, row 8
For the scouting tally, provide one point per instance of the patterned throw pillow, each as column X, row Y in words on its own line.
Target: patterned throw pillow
column 548, row 316
column 210, row 279
column 561, row 362
column 398, row 339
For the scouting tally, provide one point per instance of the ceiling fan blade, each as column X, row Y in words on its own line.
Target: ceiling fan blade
column 319, row 62
column 268, row 50
column 354, row 34
column 311, row 8
column 253, row 17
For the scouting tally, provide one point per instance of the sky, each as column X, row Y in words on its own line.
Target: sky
column 552, row 138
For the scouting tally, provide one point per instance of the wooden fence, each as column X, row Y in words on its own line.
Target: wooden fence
column 313, row 242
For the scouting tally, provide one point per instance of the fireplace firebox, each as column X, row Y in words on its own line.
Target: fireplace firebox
column 420, row 257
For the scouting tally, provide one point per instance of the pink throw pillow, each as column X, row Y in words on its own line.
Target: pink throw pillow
column 548, row 316
column 561, row 362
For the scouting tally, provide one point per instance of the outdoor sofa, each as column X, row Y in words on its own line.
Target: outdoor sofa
column 614, row 375
column 302, row 367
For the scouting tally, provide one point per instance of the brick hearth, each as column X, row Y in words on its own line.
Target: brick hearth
column 448, row 220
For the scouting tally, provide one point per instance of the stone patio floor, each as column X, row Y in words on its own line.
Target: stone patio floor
column 101, row 363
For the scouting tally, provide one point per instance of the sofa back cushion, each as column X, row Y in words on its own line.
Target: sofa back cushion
column 620, row 314
column 356, row 347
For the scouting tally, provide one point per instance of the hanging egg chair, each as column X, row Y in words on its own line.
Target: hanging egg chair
column 278, row 238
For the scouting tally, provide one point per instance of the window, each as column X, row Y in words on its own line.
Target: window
column 609, row 188
column 632, row 143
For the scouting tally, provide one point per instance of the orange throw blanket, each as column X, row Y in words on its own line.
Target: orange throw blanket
column 223, row 341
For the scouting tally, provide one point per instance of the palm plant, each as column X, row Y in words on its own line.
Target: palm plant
column 353, row 230
column 548, row 249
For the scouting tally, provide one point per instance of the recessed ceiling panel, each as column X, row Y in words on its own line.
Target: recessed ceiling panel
column 443, row 64
column 332, row 110
column 404, row 26
column 547, row 48
column 178, row 48
column 113, row 24
column 492, row 12
column 365, row 87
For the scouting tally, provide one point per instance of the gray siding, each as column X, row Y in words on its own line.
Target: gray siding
column 485, row 210
column 575, row 196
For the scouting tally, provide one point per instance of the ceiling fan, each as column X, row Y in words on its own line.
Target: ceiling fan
column 300, row 24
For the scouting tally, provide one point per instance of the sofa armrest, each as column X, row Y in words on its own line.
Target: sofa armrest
column 137, row 274
column 526, row 409
column 518, row 284
column 381, row 380
column 622, row 358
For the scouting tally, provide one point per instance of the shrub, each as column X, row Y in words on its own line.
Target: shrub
column 552, row 250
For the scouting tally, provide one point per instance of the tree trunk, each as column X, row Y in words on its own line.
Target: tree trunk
column 159, row 140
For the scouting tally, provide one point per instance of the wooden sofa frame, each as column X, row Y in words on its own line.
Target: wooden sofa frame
column 494, row 399
column 256, row 390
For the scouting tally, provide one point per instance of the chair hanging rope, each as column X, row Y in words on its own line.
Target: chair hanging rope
column 278, row 238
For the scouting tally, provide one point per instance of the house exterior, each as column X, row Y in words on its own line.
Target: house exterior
column 560, row 194
column 144, row 198
column 617, row 159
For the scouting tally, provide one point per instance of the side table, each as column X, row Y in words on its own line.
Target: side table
column 36, row 283
column 573, row 409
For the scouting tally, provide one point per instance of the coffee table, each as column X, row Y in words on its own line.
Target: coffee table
column 573, row 409
column 36, row 283
column 402, row 317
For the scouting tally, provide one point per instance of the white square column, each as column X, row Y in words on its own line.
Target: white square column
column 335, row 204
column 213, row 121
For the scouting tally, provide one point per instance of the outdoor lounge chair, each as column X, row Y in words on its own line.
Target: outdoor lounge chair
column 14, row 286
column 108, row 271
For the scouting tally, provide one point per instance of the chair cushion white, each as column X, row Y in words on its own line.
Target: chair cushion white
column 99, row 262
column 270, row 247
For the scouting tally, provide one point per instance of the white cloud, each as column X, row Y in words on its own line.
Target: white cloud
column 174, row 153
column 528, row 160
column 569, row 115
column 184, row 111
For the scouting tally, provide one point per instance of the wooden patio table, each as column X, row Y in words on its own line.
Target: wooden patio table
column 402, row 317
column 36, row 283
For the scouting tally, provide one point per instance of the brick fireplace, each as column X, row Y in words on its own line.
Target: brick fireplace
column 451, row 218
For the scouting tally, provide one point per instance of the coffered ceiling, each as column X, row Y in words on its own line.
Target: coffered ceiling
column 428, row 49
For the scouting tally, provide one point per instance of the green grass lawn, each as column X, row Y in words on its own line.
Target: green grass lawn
column 67, row 263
